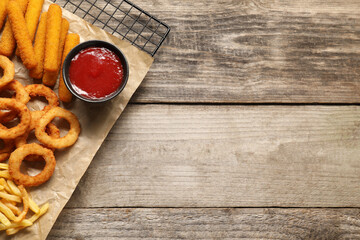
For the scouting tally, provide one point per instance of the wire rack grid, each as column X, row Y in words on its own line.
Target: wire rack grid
column 122, row 19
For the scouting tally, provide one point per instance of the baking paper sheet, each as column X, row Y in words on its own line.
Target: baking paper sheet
column 96, row 122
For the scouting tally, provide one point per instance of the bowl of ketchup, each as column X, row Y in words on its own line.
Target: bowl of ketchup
column 95, row 71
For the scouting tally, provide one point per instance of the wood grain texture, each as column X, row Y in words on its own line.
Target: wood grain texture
column 248, row 51
column 256, row 51
column 268, row 223
column 227, row 156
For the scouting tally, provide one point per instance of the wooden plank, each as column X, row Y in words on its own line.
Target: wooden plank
column 225, row 223
column 250, row 51
column 227, row 156
column 256, row 51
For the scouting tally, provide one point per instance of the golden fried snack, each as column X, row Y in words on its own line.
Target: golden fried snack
column 7, row 149
column 53, row 31
column 21, row 34
column 4, row 157
column 32, row 15
column 72, row 39
column 50, row 78
column 24, row 115
column 15, row 204
column 18, row 156
column 3, row 12
column 25, row 199
column 7, row 41
column 53, row 101
column 62, row 142
column 40, row 90
column 9, row 71
column 39, row 48
column 20, row 94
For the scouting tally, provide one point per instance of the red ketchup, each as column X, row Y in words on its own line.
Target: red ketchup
column 96, row 72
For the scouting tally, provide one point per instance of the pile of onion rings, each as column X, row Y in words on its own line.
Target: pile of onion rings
column 14, row 135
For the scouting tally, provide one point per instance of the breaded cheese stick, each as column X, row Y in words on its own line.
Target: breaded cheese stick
column 32, row 15
column 21, row 34
column 3, row 5
column 50, row 78
column 72, row 39
column 53, row 31
column 7, row 41
column 39, row 48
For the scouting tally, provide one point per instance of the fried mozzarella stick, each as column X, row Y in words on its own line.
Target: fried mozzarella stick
column 50, row 78
column 32, row 15
column 39, row 48
column 72, row 39
column 7, row 41
column 53, row 31
column 21, row 34
column 3, row 4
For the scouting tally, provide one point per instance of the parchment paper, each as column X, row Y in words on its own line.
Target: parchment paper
column 96, row 122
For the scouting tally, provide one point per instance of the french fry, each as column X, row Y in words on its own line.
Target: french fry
column 13, row 188
column 4, row 220
column 44, row 208
column 7, row 211
column 7, row 41
column 21, row 34
column 12, row 207
column 25, row 200
column 50, row 78
column 15, row 227
column 12, row 219
column 5, row 174
column 72, row 39
column 4, row 184
column 39, row 48
column 4, row 166
column 53, row 31
column 10, row 197
column 33, row 206
column 3, row 5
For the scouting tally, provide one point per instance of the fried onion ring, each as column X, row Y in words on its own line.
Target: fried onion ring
column 62, row 142
column 9, row 70
column 51, row 129
column 24, row 115
column 17, row 157
column 20, row 94
column 40, row 90
column 6, row 150
column 4, row 157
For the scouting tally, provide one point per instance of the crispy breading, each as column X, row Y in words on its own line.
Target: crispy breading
column 3, row 4
column 39, row 48
column 53, row 31
column 7, row 41
column 21, row 34
column 72, row 39
column 32, row 15
column 50, row 78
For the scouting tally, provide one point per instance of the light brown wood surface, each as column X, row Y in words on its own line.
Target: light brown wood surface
column 234, row 129
column 227, row 156
column 256, row 51
column 205, row 223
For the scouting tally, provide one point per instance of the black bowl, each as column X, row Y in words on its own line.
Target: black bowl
column 88, row 44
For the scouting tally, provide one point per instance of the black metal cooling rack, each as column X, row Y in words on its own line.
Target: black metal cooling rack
column 122, row 19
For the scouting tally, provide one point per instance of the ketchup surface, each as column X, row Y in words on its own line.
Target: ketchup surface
column 96, row 72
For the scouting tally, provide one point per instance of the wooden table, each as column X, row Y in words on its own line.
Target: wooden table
column 246, row 126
